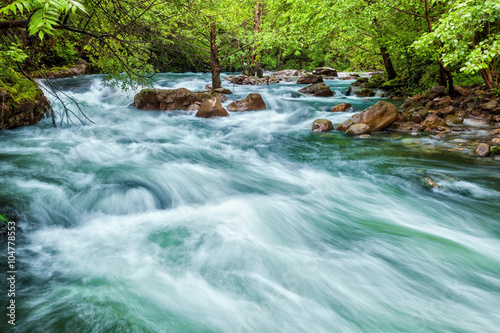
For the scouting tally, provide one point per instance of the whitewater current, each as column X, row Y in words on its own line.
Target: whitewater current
column 147, row 221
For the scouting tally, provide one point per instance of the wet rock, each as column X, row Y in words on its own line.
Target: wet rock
column 252, row 102
column 446, row 111
column 431, row 123
column 481, row 150
column 415, row 113
column 350, row 77
column 322, row 125
column 377, row 117
column 318, row 90
column 434, row 92
column 430, row 183
column 489, row 105
column 405, row 126
column 309, row 79
column 453, row 120
column 211, row 108
column 251, row 80
column 345, row 125
column 79, row 68
column 288, row 73
column 443, row 102
column 495, row 141
column 365, row 93
column 360, row 81
column 221, row 90
column 495, row 132
column 325, row 71
column 495, row 150
column 358, row 129
column 341, row 107
column 172, row 99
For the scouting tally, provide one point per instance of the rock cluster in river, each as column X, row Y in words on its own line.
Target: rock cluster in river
column 317, row 90
column 211, row 108
column 375, row 118
column 173, row 99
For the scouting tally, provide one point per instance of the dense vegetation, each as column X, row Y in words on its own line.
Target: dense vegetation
column 420, row 42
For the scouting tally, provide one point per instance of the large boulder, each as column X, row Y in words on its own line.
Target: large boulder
column 415, row 113
column 24, row 105
column 173, row 99
column 251, row 103
column 318, row 90
column 342, row 107
column 309, row 79
column 432, row 122
column 81, row 67
column 322, row 125
column 377, row 117
column 325, row 71
column 436, row 91
column 211, row 108
column 360, row 81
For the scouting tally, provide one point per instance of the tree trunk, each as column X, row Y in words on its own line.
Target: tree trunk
column 257, row 20
column 389, row 68
column 488, row 79
column 214, row 58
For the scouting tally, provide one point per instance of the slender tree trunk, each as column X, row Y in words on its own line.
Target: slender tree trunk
column 214, row 58
column 389, row 68
column 487, row 78
column 257, row 21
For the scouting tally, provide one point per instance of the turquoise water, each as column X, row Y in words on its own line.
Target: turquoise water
column 162, row 222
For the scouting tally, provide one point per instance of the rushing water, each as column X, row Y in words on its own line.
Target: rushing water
column 162, row 222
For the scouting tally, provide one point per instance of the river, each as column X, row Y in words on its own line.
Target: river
column 149, row 221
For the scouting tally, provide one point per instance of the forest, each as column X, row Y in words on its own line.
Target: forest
column 421, row 43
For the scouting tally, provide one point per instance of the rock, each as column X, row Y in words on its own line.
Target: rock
column 481, row 150
column 309, row 79
column 416, row 113
column 360, row 81
column 318, row 90
column 405, row 126
column 435, row 91
column 61, row 72
column 341, row 107
column 495, row 150
column 251, row 80
column 325, row 71
column 431, row 123
column 288, row 73
column 495, row 132
column 489, row 105
column 443, row 102
column 172, row 99
column 365, row 93
column 453, row 120
column 211, row 108
column 446, row 111
column 345, row 125
column 27, row 108
column 349, row 77
column 221, row 90
column 358, row 129
column 392, row 84
column 322, row 125
column 252, row 102
column 377, row 117
column 430, row 183
column 461, row 91
column 495, row 142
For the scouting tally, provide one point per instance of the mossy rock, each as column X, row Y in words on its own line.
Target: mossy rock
column 7, row 215
column 360, row 81
column 394, row 83
column 495, row 150
column 21, row 101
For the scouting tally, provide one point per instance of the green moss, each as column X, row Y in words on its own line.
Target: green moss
column 4, row 218
column 19, row 89
column 495, row 150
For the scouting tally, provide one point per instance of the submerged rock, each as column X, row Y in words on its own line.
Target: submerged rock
column 318, row 90
column 365, row 93
column 252, row 102
column 430, row 183
column 211, row 108
column 341, row 107
column 173, row 99
column 322, row 125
